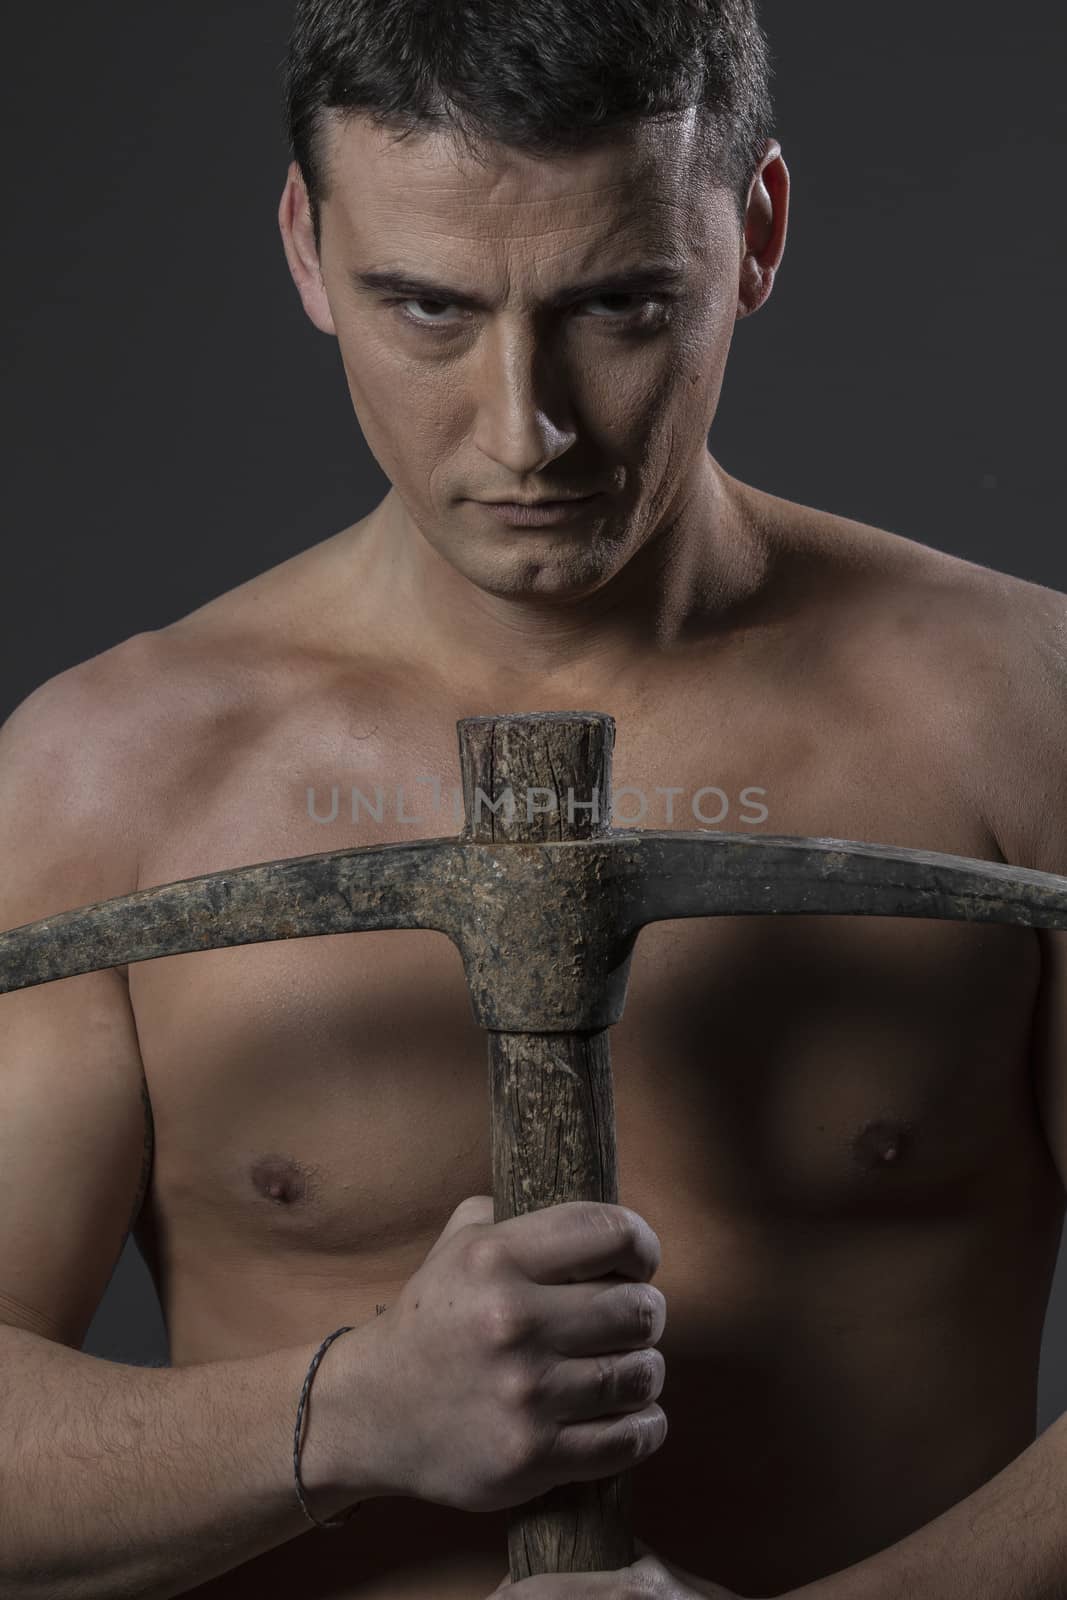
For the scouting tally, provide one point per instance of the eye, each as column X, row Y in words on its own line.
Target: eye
column 647, row 307
column 418, row 321
column 604, row 298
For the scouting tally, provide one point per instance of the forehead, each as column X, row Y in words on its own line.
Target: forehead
column 388, row 196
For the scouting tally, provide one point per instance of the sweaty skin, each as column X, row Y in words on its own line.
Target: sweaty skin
column 830, row 1122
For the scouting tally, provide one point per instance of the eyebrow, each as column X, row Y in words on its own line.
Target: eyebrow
column 638, row 280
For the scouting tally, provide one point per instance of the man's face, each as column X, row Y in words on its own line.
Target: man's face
column 540, row 386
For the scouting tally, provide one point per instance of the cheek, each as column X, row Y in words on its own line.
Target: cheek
column 407, row 423
column 381, row 411
column 389, row 398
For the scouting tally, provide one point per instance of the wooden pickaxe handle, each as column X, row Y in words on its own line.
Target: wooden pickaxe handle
column 552, row 1106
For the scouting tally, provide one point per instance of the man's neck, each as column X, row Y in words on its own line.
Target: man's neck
column 691, row 579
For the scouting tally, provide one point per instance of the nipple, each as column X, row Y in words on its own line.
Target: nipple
column 280, row 1179
column 882, row 1144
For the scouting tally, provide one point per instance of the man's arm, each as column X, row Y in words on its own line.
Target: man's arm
column 1008, row 1540
column 115, row 1479
column 119, row 1480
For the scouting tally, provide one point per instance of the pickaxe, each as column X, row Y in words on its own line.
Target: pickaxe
column 544, row 901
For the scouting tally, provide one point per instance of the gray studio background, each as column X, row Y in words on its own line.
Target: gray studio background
column 173, row 424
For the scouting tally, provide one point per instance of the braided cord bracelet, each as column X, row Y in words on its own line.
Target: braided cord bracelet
column 335, row 1522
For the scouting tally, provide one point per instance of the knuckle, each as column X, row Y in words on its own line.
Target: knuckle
column 646, row 1318
column 517, row 1389
column 646, row 1375
column 504, row 1324
column 621, row 1380
column 657, row 1373
column 602, row 1218
column 484, row 1253
column 643, row 1238
column 637, row 1436
column 659, row 1309
column 609, row 1219
column 607, row 1381
column 644, row 1305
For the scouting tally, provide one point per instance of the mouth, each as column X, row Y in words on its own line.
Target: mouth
column 544, row 500
column 542, row 513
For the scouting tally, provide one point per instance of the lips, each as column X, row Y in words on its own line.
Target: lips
column 544, row 515
column 533, row 505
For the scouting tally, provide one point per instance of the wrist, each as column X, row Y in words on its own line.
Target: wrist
column 340, row 1433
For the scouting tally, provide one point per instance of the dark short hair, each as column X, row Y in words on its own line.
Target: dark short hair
column 547, row 77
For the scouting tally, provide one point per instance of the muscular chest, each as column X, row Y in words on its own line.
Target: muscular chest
column 329, row 1095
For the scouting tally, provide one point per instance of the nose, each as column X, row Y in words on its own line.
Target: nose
column 523, row 407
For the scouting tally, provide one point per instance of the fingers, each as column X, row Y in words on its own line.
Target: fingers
column 603, row 1387
column 581, row 1240
column 606, row 1317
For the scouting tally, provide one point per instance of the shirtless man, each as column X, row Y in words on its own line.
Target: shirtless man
column 849, row 1135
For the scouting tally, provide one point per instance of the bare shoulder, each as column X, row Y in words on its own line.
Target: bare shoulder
column 901, row 578
column 92, row 745
column 980, row 654
column 1024, row 694
column 131, row 735
column 70, row 819
column 72, row 737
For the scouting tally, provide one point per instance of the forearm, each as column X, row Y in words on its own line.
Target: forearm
column 1006, row 1541
column 150, row 1481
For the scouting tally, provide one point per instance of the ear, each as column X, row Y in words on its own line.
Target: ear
column 766, row 224
column 298, row 239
